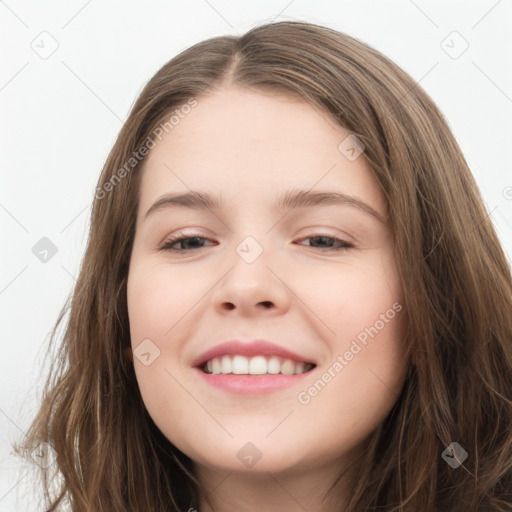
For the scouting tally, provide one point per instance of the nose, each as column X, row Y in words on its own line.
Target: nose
column 252, row 288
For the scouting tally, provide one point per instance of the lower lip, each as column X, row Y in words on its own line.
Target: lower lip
column 251, row 384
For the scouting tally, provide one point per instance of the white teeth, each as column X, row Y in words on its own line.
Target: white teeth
column 299, row 368
column 257, row 365
column 240, row 365
column 226, row 366
column 274, row 365
column 288, row 367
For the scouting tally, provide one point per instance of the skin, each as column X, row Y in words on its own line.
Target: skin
column 252, row 147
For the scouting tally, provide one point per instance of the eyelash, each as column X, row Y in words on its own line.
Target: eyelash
column 167, row 245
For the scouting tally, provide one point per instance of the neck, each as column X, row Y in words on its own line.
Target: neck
column 306, row 489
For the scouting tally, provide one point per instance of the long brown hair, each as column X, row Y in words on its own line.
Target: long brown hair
column 455, row 276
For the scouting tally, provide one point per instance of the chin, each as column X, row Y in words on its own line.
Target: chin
column 256, row 456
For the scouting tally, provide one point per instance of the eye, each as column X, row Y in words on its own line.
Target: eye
column 342, row 245
column 168, row 244
column 194, row 240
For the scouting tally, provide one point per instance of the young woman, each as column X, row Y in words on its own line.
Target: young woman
column 292, row 298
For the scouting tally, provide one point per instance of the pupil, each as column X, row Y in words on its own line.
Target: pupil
column 322, row 239
column 187, row 240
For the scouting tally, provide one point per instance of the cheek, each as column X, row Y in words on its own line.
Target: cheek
column 363, row 374
column 358, row 385
column 157, row 311
column 350, row 298
column 157, row 298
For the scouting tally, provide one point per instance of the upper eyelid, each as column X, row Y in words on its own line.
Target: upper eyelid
column 319, row 232
column 180, row 236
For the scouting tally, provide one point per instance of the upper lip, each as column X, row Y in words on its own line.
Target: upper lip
column 248, row 349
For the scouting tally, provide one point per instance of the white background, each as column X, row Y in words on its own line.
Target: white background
column 61, row 115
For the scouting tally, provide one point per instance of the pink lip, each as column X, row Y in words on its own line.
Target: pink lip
column 251, row 384
column 248, row 349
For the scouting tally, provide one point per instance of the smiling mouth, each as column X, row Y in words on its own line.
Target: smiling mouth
column 256, row 365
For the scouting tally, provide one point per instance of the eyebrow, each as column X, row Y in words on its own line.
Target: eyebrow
column 291, row 199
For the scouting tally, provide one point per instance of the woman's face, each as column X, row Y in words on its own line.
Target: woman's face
column 315, row 279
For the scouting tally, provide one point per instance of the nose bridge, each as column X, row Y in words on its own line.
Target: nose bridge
column 251, row 231
column 250, row 282
column 249, row 263
column 251, row 249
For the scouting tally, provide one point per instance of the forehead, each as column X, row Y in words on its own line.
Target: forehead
column 249, row 145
